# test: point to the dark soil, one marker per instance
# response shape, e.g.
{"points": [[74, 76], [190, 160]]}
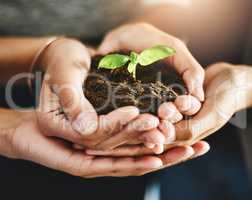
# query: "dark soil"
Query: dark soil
{"points": [[111, 89]]}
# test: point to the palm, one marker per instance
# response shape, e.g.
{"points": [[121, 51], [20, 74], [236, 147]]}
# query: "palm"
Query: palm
{"points": [[220, 104], [30, 144]]}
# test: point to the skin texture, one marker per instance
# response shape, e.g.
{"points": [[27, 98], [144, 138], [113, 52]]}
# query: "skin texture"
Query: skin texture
{"points": [[228, 90]]}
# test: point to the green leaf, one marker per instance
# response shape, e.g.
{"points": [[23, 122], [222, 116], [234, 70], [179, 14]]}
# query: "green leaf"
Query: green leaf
{"points": [[154, 54], [133, 63], [113, 61]]}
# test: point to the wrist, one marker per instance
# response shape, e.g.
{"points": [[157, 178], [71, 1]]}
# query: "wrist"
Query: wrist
{"points": [[64, 50], [10, 121]]}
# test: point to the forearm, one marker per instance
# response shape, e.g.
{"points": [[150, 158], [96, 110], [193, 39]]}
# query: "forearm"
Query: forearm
{"points": [[16, 55]]}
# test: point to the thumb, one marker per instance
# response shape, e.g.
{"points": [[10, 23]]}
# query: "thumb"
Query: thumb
{"points": [[75, 106], [207, 121], [62, 90]]}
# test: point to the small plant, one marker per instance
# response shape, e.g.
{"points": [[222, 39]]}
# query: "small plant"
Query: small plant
{"points": [[146, 57]]}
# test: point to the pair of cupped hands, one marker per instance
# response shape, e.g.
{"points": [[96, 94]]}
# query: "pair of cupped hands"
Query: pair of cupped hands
{"points": [[122, 142]]}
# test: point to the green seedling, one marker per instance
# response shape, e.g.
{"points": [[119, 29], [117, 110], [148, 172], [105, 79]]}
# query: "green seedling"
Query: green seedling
{"points": [[145, 58]]}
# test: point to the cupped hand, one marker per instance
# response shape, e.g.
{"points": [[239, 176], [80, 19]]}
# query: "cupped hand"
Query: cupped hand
{"points": [[66, 63], [64, 111], [139, 36], [26, 141], [227, 91]]}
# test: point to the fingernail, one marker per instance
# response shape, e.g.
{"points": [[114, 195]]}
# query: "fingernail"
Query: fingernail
{"points": [[85, 124], [158, 149], [149, 145], [202, 152], [157, 164]]}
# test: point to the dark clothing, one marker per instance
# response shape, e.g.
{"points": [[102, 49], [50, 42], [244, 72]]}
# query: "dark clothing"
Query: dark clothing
{"points": [[86, 19]]}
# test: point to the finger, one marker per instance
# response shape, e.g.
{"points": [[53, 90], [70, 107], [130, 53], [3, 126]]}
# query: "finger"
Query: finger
{"points": [[176, 155], [119, 167], [168, 130], [158, 149], [191, 71], [109, 44], [194, 82], [76, 107], [201, 125], [114, 121], [52, 120], [153, 136], [154, 140], [168, 111], [57, 155], [200, 148], [50, 111], [48, 101], [144, 122], [65, 79], [187, 104], [49, 152], [127, 150], [58, 127]]}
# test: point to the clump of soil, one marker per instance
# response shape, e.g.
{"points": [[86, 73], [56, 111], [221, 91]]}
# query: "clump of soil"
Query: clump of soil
{"points": [[110, 89]]}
